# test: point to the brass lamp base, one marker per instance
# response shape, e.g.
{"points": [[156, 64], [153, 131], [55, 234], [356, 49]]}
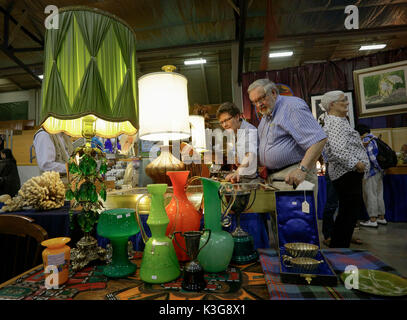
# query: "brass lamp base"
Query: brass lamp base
{"points": [[87, 250], [158, 168]]}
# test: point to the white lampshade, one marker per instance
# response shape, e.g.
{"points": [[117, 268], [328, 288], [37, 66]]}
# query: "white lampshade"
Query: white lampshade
{"points": [[163, 107], [198, 133]]}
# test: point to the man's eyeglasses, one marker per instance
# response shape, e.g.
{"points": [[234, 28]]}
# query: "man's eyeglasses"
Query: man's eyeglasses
{"points": [[224, 121], [259, 100]]}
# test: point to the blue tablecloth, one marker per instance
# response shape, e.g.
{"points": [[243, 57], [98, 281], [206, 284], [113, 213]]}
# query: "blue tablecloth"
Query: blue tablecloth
{"points": [[394, 194], [395, 197], [55, 221]]}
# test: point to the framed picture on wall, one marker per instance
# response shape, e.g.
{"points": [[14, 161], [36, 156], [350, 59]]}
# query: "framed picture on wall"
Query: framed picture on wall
{"points": [[14, 110], [318, 112], [381, 90]]}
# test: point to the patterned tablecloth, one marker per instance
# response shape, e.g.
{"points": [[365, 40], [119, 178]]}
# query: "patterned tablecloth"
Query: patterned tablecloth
{"points": [[339, 259], [236, 283], [256, 281]]}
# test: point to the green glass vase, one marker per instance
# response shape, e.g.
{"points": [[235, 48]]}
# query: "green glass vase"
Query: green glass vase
{"points": [[216, 255], [159, 263], [118, 225]]}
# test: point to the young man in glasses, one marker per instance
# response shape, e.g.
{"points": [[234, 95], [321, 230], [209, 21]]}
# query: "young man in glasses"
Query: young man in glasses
{"points": [[243, 143]]}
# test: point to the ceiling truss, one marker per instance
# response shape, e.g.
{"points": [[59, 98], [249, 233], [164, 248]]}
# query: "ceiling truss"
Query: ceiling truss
{"points": [[9, 50]]}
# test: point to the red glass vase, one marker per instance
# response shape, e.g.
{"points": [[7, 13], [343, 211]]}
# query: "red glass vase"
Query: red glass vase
{"points": [[187, 218]]}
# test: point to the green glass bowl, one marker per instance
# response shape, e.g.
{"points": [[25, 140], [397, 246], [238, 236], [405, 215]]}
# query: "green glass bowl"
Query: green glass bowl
{"points": [[380, 283], [117, 223]]}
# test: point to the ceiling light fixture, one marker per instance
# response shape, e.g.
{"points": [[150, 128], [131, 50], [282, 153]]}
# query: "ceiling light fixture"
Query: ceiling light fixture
{"points": [[195, 61], [372, 47], [280, 54]]}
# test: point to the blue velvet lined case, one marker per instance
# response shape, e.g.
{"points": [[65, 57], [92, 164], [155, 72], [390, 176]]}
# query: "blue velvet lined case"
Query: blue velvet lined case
{"points": [[294, 225]]}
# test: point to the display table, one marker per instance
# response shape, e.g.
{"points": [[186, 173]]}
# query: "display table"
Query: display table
{"points": [[256, 281], [56, 221], [394, 194], [339, 259], [395, 197], [241, 283]]}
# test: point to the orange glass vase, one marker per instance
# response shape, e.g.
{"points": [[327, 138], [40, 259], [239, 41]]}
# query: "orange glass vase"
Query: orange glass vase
{"points": [[187, 219], [57, 254]]}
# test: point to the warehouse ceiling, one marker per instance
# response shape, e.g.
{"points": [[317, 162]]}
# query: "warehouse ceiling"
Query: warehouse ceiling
{"points": [[232, 36]]}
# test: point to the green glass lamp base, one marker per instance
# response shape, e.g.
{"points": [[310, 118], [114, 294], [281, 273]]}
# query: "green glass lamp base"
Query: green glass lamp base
{"points": [[119, 271], [120, 265], [243, 251]]}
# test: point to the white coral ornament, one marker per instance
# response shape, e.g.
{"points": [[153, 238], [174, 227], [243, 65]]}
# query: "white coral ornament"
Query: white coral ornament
{"points": [[42, 192]]}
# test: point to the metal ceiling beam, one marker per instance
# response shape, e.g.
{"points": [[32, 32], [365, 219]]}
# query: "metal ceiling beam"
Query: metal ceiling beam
{"points": [[219, 79], [361, 4], [27, 32], [10, 71], [17, 28], [8, 50], [15, 83], [6, 26], [280, 12], [233, 5], [190, 47], [10, 54], [242, 31], [204, 83], [254, 42], [225, 45], [248, 61], [342, 34], [26, 49]]}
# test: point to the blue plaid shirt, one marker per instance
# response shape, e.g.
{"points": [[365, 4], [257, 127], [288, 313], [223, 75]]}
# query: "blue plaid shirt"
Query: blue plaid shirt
{"points": [[372, 152]]}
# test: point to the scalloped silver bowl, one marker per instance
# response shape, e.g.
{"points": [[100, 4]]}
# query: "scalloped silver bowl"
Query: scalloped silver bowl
{"points": [[303, 264], [301, 249]]}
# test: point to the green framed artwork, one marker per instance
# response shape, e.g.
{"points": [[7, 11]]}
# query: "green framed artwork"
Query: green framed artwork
{"points": [[14, 111], [381, 90]]}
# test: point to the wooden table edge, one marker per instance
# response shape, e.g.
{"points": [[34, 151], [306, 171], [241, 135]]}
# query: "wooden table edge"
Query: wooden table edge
{"points": [[6, 283]]}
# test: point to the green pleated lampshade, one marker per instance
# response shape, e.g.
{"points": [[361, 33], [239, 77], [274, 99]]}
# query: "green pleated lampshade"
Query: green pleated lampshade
{"points": [[89, 69]]}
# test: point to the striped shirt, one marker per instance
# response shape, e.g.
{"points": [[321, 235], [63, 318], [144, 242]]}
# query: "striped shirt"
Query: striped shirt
{"points": [[288, 133], [344, 148], [372, 152]]}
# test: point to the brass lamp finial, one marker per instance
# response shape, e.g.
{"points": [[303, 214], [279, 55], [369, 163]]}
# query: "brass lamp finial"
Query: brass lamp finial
{"points": [[168, 68]]}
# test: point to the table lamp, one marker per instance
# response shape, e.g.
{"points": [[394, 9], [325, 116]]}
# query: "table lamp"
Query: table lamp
{"points": [[88, 89], [198, 133], [163, 107], [198, 143]]}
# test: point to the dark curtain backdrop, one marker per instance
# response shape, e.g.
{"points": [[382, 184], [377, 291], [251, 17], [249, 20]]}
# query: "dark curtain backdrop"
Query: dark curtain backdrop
{"points": [[316, 79]]}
